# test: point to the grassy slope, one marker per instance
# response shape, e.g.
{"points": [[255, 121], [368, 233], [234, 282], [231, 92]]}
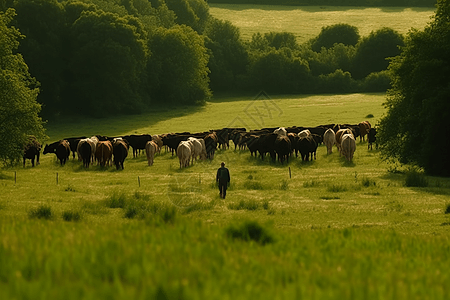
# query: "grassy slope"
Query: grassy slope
{"points": [[306, 22], [334, 222]]}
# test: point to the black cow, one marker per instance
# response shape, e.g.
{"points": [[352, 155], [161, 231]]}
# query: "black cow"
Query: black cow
{"points": [[120, 152], [252, 142], [317, 138], [137, 142], [353, 127], [372, 138], [307, 145], [60, 148], [319, 130], [236, 134], [283, 148], [172, 140], [32, 150], [211, 145], [223, 138], [266, 144], [73, 144], [85, 151]]}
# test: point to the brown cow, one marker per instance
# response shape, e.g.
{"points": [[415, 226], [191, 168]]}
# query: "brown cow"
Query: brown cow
{"points": [[339, 135], [364, 128], [103, 153]]}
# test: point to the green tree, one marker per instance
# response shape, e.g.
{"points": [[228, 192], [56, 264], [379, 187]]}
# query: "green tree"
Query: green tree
{"points": [[193, 13], [373, 51], [279, 40], [335, 34], [228, 56], [280, 71], [107, 62], [19, 110], [329, 60], [415, 129], [42, 22], [177, 70]]}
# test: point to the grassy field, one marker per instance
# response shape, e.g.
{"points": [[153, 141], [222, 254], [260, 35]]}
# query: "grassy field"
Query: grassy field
{"points": [[307, 21], [326, 229]]}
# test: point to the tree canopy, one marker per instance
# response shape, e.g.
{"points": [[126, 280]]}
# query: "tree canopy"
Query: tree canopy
{"points": [[103, 57], [415, 131], [18, 107]]}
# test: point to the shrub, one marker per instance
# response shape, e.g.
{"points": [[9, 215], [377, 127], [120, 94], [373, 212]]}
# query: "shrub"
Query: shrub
{"points": [[338, 33], [116, 200], [69, 188], [131, 211], [284, 185], [253, 185], [244, 204], [415, 179], [376, 82], [311, 183], [41, 212], [366, 182], [250, 231], [336, 188], [168, 214], [266, 204], [71, 215]]}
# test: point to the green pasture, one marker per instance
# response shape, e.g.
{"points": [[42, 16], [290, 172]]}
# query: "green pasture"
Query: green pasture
{"points": [[307, 21], [325, 229]]}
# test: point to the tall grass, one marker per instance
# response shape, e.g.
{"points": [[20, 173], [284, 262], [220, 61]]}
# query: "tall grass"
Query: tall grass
{"points": [[41, 212], [170, 235]]}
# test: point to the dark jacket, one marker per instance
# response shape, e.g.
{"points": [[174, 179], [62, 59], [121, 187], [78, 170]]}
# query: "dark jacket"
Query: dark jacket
{"points": [[223, 175]]}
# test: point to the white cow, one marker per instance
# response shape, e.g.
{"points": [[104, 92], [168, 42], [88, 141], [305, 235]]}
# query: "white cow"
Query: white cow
{"points": [[281, 131], [150, 149], [329, 139], [94, 140], [196, 148], [203, 153], [348, 146], [184, 153], [304, 133]]}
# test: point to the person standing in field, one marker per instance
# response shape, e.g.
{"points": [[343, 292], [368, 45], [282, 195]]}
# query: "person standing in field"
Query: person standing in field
{"points": [[223, 178]]}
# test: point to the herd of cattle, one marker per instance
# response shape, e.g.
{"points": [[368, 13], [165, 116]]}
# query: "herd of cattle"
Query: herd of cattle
{"points": [[281, 142]]}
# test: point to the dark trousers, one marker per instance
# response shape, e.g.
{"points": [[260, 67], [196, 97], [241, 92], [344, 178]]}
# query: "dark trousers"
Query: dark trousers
{"points": [[223, 188]]}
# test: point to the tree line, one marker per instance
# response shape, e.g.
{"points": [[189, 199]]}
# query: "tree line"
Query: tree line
{"points": [[102, 57], [370, 3]]}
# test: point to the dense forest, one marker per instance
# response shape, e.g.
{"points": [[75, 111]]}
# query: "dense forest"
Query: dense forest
{"points": [[372, 3], [102, 57]]}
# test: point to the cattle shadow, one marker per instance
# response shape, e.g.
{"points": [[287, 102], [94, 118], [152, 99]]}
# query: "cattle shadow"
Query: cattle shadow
{"points": [[5, 176], [436, 185], [116, 125], [347, 164]]}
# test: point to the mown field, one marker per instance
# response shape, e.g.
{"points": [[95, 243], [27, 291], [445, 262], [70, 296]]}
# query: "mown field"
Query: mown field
{"points": [[307, 21], [326, 229]]}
